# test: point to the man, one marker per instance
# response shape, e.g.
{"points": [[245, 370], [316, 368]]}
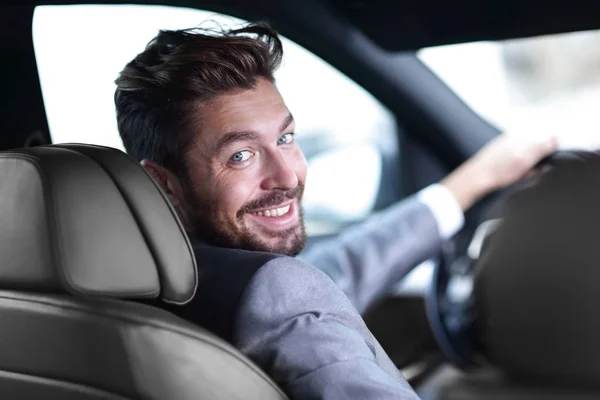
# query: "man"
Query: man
{"points": [[201, 112]]}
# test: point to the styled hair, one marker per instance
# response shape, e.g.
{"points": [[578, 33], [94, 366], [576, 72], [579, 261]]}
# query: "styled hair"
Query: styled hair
{"points": [[158, 92]]}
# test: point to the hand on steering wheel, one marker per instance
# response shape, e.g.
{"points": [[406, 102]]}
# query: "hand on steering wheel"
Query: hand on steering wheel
{"points": [[449, 300]]}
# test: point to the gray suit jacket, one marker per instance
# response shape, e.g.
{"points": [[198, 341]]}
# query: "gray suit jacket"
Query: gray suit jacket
{"points": [[300, 323]]}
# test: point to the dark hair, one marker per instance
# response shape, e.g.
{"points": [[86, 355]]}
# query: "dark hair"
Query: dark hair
{"points": [[158, 91]]}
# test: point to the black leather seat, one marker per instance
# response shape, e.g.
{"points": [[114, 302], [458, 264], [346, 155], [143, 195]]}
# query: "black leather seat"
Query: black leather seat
{"points": [[86, 237]]}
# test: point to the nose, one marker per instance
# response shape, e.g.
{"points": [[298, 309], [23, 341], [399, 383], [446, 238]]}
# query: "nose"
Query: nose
{"points": [[279, 173]]}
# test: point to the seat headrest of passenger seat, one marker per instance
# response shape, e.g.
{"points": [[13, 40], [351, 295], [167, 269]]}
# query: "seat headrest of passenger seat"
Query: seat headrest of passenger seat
{"points": [[89, 220]]}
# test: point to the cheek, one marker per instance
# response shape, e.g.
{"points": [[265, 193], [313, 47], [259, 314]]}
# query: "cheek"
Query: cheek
{"points": [[234, 193]]}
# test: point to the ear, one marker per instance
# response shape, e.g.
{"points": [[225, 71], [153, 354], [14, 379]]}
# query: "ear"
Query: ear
{"points": [[167, 180]]}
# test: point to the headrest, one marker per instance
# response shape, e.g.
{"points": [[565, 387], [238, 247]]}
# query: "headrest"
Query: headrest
{"points": [[537, 287], [89, 220]]}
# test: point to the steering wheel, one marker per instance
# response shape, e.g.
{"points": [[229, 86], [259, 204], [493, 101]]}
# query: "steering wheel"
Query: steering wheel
{"points": [[449, 300]]}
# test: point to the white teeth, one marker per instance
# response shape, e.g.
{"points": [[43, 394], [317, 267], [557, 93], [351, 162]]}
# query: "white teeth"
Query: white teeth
{"points": [[276, 212], [283, 210]]}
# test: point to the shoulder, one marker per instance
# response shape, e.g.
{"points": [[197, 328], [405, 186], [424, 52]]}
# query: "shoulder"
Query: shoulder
{"points": [[292, 272], [285, 288], [224, 277], [294, 320], [295, 278]]}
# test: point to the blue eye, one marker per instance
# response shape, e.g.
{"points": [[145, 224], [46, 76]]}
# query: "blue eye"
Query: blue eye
{"points": [[286, 139], [241, 156]]}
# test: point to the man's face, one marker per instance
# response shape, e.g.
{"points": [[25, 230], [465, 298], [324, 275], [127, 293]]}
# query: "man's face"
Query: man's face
{"points": [[247, 173]]}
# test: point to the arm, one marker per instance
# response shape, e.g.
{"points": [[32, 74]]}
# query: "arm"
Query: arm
{"points": [[368, 260], [297, 325]]}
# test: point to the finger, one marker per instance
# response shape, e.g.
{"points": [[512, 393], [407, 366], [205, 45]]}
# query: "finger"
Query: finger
{"points": [[530, 174], [545, 148], [537, 171], [550, 145]]}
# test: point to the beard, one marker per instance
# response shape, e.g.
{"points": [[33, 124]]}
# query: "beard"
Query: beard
{"points": [[210, 226]]}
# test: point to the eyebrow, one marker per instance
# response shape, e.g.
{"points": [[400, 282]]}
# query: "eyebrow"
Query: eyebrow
{"points": [[286, 122], [233, 137]]}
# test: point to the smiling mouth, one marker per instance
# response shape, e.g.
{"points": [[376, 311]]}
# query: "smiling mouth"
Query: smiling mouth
{"points": [[276, 219], [274, 212]]}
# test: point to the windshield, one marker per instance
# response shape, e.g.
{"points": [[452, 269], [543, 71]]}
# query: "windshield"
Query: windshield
{"points": [[536, 86]]}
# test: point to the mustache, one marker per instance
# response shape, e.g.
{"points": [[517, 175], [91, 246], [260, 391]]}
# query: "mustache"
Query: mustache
{"points": [[272, 199]]}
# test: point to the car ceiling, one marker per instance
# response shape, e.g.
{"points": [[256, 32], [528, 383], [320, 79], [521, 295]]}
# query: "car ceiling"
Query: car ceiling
{"points": [[402, 25], [409, 25]]}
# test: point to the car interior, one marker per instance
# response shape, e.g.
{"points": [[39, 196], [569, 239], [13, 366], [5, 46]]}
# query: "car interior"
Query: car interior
{"points": [[67, 263], [91, 244]]}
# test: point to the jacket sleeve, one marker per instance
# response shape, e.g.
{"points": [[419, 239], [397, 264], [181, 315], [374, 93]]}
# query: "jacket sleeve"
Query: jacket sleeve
{"points": [[299, 327], [369, 259]]}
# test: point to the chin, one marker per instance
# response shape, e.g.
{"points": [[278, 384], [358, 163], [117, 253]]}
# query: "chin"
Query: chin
{"points": [[290, 246], [288, 242]]}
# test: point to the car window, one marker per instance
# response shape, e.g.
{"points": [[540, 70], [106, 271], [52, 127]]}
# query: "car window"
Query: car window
{"points": [[338, 122], [535, 86]]}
